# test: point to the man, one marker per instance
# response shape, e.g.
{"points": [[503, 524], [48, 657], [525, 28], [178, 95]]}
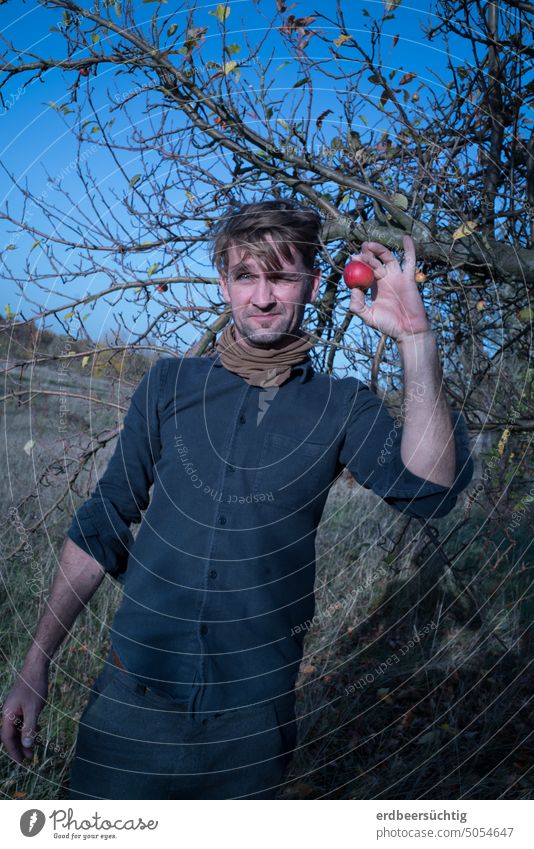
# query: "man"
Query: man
{"points": [[196, 698]]}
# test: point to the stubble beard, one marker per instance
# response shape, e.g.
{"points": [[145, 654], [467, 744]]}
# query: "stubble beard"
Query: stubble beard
{"points": [[266, 337], [287, 331]]}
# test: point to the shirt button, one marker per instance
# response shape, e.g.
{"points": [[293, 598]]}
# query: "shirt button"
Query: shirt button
{"points": [[222, 520], [203, 629], [213, 573], [242, 419]]}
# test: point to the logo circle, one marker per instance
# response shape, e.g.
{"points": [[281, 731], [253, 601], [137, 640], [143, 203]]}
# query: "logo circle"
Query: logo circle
{"points": [[31, 822]]}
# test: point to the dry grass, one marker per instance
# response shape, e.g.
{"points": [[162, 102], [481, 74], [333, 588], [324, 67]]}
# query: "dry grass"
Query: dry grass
{"points": [[386, 708]]}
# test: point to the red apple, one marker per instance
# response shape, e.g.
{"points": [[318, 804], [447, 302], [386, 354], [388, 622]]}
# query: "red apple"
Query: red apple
{"points": [[161, 287], [358, 274]]}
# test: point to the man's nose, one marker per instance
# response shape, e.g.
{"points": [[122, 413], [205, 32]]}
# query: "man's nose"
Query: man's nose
{"points": [[263, 294]]}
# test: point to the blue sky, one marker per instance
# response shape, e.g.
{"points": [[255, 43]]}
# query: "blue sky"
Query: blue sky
{"points": [[36, 141]]}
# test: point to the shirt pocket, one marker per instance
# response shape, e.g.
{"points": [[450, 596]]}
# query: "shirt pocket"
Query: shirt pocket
{"points": [[291, 473]]}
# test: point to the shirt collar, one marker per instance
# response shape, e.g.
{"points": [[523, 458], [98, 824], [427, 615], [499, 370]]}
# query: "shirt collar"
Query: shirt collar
{"points": [[304, 370]]}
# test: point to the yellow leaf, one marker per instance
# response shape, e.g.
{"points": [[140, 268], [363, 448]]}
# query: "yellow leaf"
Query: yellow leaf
{"points": [[308, 669], [85, 360], [221, 12], [228, 67], [19, 794], [502, 441], [464, 230], [342, 39]]}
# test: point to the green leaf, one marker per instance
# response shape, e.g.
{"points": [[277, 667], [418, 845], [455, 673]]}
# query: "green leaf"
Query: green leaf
{"points": [[53, 105], [95, 129], [279, 68], [283, 123], [68, 315], [233, 49], [95, 38], [153, 268], [118, 9], [172, 29], [221, 12], [526, 314], [301, 82], [11, 247], [8, 311], [37, 242], [400, 200], [135, 179], [364, 120]]}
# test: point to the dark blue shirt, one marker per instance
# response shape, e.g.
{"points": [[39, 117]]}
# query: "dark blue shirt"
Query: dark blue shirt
{"points": [[221, 572]]}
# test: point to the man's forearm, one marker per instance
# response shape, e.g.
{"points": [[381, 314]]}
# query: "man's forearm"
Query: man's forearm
{"points": [[77, 579], [427, 445]]}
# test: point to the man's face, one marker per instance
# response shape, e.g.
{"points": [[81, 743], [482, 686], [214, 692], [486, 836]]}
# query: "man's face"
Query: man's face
{"points": [[268, 306]]}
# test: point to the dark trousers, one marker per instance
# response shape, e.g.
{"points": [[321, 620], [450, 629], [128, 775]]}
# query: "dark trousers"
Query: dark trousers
{"points": [[135, 744]]}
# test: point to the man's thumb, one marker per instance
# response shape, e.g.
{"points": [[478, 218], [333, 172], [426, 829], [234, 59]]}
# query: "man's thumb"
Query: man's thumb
{"points": [[28, 732]]}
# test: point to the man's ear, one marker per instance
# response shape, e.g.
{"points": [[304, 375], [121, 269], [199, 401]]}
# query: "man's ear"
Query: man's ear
{"points": [[223, 286], [314, 285]]}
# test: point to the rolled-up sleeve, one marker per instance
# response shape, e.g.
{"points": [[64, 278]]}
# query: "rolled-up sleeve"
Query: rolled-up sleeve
{"points": [[372, 453], [101, 526]]}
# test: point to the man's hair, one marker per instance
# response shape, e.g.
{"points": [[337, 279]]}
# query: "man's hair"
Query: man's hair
{"points": [[291, 226]]}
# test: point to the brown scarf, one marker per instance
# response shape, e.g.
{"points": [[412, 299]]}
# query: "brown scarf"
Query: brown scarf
{"points": [[261, 366]]}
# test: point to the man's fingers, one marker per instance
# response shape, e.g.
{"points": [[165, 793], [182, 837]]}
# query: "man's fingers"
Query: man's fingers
{"points": [[28, 734], [409, 255], [379, 251], [11, 723]]}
